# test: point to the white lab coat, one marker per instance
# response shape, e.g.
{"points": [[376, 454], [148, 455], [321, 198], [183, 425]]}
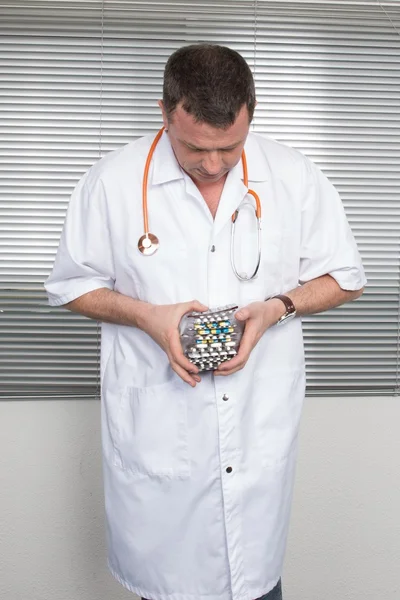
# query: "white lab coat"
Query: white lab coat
{"points": [[179, 526]]}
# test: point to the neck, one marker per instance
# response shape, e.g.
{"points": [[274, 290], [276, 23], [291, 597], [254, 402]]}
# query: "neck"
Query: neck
{"points": [[211, 193]]}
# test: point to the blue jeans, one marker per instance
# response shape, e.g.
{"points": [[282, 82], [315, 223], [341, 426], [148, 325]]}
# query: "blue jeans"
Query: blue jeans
{"points": [[275, 594]]}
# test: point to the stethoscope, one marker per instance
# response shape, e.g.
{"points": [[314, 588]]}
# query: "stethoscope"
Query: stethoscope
{"points": [[148, 243]]}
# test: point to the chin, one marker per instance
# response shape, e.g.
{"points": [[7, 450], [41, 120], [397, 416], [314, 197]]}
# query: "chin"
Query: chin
{"points": [[212, 177]]}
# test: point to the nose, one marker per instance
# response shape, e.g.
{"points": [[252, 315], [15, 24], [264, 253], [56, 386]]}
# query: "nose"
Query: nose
{"points": [[212, 163]]}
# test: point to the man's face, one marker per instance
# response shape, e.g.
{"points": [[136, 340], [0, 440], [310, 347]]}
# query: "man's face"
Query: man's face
{"points": [[205, 152]]}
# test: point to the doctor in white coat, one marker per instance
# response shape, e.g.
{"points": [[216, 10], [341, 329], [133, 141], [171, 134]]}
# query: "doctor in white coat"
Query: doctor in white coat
{"points": [[199, 468]]}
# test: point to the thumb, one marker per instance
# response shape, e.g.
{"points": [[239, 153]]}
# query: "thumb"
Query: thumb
{"points": [[243, 314], [196, 306]]}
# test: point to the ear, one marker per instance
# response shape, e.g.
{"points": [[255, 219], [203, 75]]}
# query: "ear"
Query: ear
{"points": [[164, 114]]}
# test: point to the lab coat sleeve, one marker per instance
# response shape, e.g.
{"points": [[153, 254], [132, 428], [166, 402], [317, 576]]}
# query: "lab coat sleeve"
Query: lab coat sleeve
{"points": [[327, 242], [84, 260]]}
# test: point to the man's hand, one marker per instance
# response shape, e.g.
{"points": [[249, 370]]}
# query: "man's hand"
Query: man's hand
{"points": [[258, 317], [161, 323]]}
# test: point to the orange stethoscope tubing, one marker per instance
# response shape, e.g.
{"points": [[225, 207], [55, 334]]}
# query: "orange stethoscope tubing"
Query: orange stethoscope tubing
{"points": [[148, 243], [146, 178]]}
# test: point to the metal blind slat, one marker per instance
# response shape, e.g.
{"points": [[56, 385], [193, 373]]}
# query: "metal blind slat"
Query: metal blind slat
{"points": [[336, 101]]}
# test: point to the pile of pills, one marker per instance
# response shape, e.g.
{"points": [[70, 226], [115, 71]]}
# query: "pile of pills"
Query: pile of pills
{"points": [[214, 338]]}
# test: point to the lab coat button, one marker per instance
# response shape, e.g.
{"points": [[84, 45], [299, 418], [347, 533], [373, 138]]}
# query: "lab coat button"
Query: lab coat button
{"points": [[213, 248], [229, 470], [225, 397]]}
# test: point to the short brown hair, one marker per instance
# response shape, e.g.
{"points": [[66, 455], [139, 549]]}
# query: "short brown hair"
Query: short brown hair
{"points": [[212, 82]]}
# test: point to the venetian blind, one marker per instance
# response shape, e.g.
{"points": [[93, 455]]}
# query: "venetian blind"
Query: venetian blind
{"points": [[79, 79]]}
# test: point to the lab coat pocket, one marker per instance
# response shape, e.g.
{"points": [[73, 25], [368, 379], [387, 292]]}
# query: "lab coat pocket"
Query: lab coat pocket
{"points": [[152, 432], [279, 400]]}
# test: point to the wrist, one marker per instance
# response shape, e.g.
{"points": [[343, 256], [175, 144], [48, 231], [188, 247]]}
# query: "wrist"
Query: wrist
{"points": [[143, 315], [276, 309], [290, 309]]}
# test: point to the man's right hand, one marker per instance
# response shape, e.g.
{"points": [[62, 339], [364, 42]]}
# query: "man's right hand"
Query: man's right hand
{"points": [[161, 323]]}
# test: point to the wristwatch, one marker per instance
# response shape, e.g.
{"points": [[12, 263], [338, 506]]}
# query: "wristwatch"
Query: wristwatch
{"points": [[290, 309]]}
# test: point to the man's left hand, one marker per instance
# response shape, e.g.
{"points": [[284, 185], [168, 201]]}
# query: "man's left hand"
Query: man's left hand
{"points": [[258, 317]]}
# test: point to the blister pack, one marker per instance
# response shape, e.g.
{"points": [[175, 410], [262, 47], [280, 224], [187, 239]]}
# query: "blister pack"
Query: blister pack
{"points": [[212, 337]]}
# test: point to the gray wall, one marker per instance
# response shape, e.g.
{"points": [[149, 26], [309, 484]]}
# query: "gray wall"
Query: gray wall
{"points": [[345, 534]]}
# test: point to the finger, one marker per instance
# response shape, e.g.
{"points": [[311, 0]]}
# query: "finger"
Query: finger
{"points": [[184, 375], [187, 307], [247, 344], [194, 305], [243, 314], [236, 363], [176, 355], [231, 367]]}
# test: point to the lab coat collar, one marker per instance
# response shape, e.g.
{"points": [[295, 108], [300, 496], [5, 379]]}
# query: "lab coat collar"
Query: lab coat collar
{"points": [[233, 194], [234, 190], [166, 168], [257, 165]]}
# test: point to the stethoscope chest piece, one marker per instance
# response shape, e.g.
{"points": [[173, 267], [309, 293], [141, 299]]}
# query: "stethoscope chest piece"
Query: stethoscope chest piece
{"points": [[148, 244]]}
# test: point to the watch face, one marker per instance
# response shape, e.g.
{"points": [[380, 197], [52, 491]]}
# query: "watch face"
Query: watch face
{"points": [[286, 318]]}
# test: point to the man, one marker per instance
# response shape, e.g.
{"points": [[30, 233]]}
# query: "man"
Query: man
{"points": [[199, 468]]}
